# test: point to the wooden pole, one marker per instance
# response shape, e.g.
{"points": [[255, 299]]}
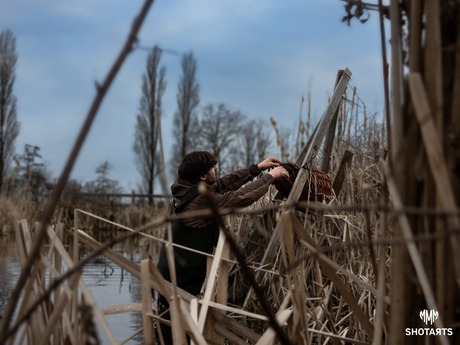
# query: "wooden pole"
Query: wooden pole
{"points": [[310, 152], [400, 264], [330, 136]]}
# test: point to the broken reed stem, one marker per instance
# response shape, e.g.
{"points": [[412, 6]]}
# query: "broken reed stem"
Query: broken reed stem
{"points": [[62, 181]]}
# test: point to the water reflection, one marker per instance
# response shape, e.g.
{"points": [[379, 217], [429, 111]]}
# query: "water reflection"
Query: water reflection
{"points": [[9, 271], [109, 284]]}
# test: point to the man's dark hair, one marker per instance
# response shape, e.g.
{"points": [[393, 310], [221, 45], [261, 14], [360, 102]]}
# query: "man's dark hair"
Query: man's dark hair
{"points": [[196, 164]]}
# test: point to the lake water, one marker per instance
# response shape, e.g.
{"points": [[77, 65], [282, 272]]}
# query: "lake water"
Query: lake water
{"points": [[109, 284]]}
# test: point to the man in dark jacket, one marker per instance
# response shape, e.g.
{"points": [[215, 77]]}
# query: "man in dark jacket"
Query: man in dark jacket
{"points": [[236, 189]]}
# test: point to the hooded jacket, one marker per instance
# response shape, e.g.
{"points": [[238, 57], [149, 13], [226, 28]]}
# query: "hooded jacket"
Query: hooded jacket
{"points": [[233, 190]]}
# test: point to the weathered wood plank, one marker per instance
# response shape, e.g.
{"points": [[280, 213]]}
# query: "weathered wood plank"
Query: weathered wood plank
{"points": [[310, 152], [211, 281]]}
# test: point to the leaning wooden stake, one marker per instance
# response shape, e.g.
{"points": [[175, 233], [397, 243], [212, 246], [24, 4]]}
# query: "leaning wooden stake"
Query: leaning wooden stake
{"points": [[211, 282], [307, 154], [330, 135], [310, 152]]}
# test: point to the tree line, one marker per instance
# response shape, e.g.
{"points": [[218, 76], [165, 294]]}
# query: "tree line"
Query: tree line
{"points": [[235, 139]]}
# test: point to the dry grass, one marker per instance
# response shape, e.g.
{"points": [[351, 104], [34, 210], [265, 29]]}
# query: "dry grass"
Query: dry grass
{"points": [[315, 265], [304, 273], [12, 210], [308, 269], [345, 239]]}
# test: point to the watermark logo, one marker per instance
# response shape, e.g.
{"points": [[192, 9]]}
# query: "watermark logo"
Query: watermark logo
{"points": [[429, 316]]}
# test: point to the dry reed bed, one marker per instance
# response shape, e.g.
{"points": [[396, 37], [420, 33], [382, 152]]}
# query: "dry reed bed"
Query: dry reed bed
{"points": [[317, 275], [306, 296], [324, 274], [300, 274]]}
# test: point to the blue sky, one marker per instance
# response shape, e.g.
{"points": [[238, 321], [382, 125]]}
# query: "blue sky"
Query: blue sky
{"points": [[259, 57]]}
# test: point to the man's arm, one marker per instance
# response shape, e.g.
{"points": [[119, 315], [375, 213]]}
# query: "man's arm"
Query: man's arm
{"points": [[235, 180], [250, 192]]}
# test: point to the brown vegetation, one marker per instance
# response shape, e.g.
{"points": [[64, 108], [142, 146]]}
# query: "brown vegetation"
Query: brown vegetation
{"points": [[12, 210], [355, 270], [320, 274]]}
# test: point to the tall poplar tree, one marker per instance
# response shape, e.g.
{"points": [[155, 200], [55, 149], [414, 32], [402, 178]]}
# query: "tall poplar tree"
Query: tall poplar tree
{"points": [[148, 124], [185, 119], [9, 126]]}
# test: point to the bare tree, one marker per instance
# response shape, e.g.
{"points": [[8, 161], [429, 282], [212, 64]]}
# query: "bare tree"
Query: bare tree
{"points": [[219, 131], [148, 125], [283, 140], [9, 126], [185, 118], [103, 184], [255, 142], [33, 178]]}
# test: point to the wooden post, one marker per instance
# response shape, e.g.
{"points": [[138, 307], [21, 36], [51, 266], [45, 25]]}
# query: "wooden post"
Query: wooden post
{"points": [[329, 141], [400, 269], [318, 136]]}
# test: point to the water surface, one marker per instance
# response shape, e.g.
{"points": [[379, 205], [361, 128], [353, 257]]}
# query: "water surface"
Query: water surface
{"points": [[109, 284]]}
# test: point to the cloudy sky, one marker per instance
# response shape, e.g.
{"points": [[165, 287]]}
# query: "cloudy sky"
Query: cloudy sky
{"points": [[256, 56]]}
